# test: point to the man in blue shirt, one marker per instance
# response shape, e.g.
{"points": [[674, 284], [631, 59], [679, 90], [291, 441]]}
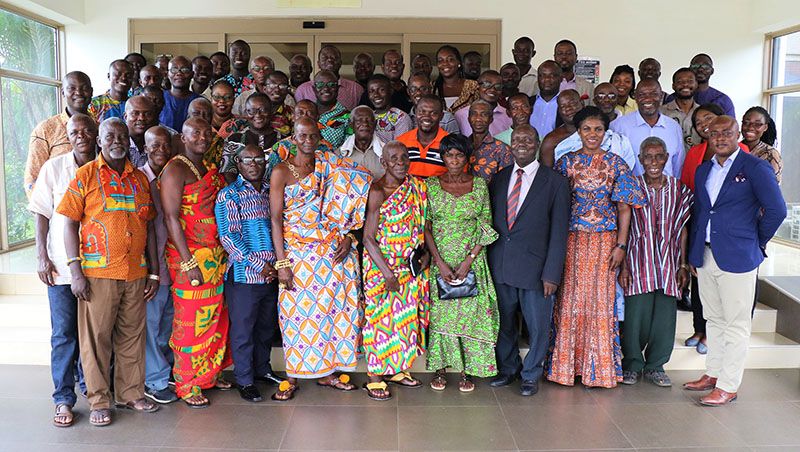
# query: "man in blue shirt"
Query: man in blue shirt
{"points": [[703, 69], [545, 102], [178, 98], [648, 121], [251, 285]]}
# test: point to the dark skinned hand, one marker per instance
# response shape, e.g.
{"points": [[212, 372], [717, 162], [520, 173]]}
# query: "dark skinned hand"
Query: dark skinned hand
{"points": [[425, 260], [447, 273], [150, 289], [624, 277], [682, 278], [47, 271], [285, 277], [549, 288], [268, 272], [615, 258], [463, 268], [392, 284], [195, 274], [80, 287], [342, 250]]}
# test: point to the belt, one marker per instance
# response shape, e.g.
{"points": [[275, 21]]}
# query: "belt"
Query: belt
{"points": [[708, 244]]}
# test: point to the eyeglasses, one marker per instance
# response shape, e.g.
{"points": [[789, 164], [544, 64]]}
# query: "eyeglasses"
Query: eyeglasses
{"points": [[183, 70], [487, 85], [225, 97], [701, 66], [255, 111], [416, 89], [663, 157], [752, 124], [603, 96], [321, 85], [279, 86], [247, 161], [260, 68]]}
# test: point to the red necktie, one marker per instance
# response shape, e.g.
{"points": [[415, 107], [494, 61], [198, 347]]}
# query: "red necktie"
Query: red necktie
{"points": [[513, 200]]}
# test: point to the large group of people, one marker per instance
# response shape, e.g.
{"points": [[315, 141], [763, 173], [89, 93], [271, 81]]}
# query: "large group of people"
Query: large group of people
{"points": [[200, 210]]}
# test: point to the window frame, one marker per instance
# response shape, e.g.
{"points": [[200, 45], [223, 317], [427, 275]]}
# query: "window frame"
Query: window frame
{"points": [[767, 91], [5, 246]]}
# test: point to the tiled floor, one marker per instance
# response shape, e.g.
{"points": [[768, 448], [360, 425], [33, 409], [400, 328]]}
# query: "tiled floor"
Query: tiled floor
{"points": [[643, 417]]}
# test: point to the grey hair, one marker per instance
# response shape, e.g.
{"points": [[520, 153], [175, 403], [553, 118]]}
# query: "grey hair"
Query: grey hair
{"points": [[360, 107], [481, 102], [653, 141], [113, 121]]}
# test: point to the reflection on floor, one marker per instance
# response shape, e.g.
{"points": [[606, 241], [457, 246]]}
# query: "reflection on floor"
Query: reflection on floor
{"points": [[640, 417]]}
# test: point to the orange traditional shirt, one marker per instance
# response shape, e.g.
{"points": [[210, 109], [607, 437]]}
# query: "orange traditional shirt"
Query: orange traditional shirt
{"points": [[48, 140], [113, 210]]}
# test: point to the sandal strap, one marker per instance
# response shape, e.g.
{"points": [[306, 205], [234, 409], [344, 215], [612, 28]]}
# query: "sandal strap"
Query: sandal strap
{"points": [[377, 385]]}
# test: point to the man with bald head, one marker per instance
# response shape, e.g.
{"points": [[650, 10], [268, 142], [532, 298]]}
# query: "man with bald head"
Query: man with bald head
{"points": [[111, 104], [648, 121], [569, 103], [528, 257], [200, 108], [287, 146], [177, 99], [54, 178], [330, 59], [605, 98], [545, 103], [150, 75], [108, 208], [738, 206], [139, 117], [49, 138]]}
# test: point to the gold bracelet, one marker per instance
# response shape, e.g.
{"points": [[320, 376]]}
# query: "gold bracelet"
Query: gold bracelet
{"points": [[353, 239], [283, 263], [473, 256], [190, 264]]}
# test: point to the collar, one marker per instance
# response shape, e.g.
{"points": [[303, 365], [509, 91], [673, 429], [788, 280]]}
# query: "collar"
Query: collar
{"points": [[574, 78], [349, 146], [640, 120], [487, 139], [529, 170], [102, 163], [728, 162], [439, 135], [532, 72], [538, 96], [244, 184], [673, 105]]}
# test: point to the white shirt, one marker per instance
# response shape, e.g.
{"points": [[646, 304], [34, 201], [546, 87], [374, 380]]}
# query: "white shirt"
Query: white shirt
{"points": [[528, 84], [528, 173], [371, 159], [51, 185], [714, 181]]}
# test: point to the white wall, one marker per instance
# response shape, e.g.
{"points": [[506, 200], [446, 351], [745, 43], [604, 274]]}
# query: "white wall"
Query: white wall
{"points": [[623, 32]]}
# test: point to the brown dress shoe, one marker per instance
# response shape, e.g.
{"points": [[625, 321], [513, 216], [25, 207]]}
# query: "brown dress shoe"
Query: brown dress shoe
{"points": [[718, 397], [703, 384]]}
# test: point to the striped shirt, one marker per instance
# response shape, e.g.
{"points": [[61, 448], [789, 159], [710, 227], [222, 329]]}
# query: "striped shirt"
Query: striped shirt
{"points": [[425, 161], [244, 229], [654, 243]]}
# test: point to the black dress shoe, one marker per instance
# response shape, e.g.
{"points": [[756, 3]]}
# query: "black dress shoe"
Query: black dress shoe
{"points": [[529, 387], [502, 380], [250, 393], [270, 378]]}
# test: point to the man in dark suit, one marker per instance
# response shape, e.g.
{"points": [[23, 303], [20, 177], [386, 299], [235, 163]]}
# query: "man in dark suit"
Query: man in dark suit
{"points": [[530, 207], [738, 206]]}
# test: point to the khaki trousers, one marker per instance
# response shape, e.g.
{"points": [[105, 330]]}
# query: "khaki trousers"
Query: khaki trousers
{"points": [[727, 303], [113, 319]]}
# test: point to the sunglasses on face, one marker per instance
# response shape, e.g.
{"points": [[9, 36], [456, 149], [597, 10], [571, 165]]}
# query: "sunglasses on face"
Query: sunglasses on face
{"points": [[701, 66], [603, 96], [255, 111], [260, 68], [279, 86], [321, 85], [487, 85], [247, 161], [183, 70], [218, 97]]}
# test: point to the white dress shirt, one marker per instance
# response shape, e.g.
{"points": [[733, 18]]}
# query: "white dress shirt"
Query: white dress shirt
{"points": [[637, 129], [714, 181], [528, 173]]}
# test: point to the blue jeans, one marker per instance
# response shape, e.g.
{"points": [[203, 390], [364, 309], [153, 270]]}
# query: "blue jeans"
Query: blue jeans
{"points": [[64, 354], [157, 353]]}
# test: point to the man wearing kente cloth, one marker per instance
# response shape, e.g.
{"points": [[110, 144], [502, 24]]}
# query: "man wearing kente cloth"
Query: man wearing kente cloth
{"points": [[196, 262], [316, 199], [397, 301]]}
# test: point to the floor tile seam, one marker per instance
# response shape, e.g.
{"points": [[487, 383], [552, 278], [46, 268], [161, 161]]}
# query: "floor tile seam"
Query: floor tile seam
{"points": [[619, 429], [505, 419], [288, 426], [745, 442]]}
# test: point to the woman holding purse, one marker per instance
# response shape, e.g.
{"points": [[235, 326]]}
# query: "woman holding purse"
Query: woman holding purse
{"points": [[464, 320]]}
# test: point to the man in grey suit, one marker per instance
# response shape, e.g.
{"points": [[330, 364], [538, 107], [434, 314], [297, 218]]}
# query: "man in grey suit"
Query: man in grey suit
{"points": [[530, 207]]}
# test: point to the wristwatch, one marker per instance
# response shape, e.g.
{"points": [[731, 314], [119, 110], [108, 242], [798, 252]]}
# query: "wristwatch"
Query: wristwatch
{"points": [[622, 246]]}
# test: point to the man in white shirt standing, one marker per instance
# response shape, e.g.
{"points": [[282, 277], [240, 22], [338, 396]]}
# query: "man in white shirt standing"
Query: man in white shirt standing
{"points": [[524, 51], [51, 184]]}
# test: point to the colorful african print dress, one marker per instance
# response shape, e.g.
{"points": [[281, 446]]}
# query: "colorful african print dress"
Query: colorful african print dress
{"points": [[335, 122], [396, 322], [463, 332], [200, 327], [319, 316], [585, 336]]}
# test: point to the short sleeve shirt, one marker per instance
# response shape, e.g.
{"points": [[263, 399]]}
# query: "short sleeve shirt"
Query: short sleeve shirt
{"points": [[113, 210], [426, 161]]}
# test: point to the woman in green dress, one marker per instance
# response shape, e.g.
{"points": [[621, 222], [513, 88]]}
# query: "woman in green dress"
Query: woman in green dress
{"points": [[463, 331]]}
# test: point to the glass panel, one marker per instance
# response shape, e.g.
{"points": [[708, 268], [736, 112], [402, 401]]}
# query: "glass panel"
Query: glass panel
{"points": [[430, 48], [280, 53], [786, 60], [24, 105], [26, 45], [350, 50], [786, 113], [187, 49]]}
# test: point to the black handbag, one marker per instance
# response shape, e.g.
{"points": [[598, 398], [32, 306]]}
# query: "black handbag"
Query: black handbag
{"points": [[467, 289], [414, 264]]}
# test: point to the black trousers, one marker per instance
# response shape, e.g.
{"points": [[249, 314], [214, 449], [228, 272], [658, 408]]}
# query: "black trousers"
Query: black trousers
{"points": [[537, 311], [253, 311]]}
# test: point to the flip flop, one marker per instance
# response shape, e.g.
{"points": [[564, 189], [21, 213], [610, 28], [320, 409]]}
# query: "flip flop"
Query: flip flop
{"points": [[64, 410], [369, 387], [197, 406], [285, 386], [343, 378], [400, 377], [132, 406], [103, 414]]}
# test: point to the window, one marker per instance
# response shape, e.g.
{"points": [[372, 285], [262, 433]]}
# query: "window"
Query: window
{"points": [[29, 87], [783, 95]]}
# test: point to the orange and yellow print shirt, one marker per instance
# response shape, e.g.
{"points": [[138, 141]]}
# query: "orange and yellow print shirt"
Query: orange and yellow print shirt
{"points": [[113, 211]]}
